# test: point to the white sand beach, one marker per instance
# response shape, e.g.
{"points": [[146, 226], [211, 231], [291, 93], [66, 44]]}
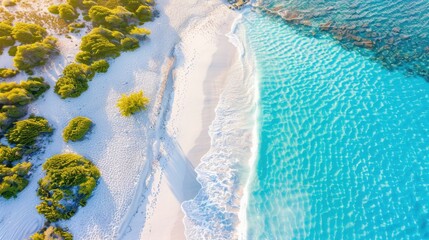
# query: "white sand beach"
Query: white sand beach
{"points": [[147, 161]]}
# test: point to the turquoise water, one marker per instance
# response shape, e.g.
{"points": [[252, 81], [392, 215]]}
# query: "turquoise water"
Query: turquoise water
{"points": [[398, 31], [344, 143]]}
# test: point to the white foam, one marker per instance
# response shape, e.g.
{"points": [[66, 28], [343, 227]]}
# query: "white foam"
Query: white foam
{"points": [[215, 213]]}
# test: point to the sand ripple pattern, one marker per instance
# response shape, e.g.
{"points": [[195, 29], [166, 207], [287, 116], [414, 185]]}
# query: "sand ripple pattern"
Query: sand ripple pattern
{"points": [[344, 148]]}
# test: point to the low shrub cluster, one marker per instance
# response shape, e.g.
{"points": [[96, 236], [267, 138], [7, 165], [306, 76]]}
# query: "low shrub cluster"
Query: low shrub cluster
{"points": [[36, 54], [74, 80], [14, 98], [8, 155], [6, 39], [115, 30], [8, 73], [52, 232], [28, 33], [69, 182], [130, 104], [13, 179], [24, 133], [100, 66], [35, 48], [76, 129]]}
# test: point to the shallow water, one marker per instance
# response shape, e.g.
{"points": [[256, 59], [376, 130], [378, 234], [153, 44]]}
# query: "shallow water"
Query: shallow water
{"points": [[344, 150], [395, 32]]}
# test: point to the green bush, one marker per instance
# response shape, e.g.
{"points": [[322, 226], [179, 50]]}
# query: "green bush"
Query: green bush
{"points": [[15, 96], [100, 66], [74, 81], [144, 13], [132, 103], [26, 132], [54, 9], [8, 73], [100, 43], [52, 233], [28, 32], [67, 12], [12, 51], [13, 179], [130, 44], [75, 27], [69, 182], [6, 39], [9, 155], [76, 129], [32, 55]]}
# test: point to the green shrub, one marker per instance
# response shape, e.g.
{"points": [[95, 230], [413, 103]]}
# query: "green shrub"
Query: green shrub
{"points": [[100, 66], [12, 51], [8, 73], [140, 33], [9, 155], [69, 182], [76, 129], [26, 132], [6, 39], [130, 44], [74, 27], [28, 32], [13, 111], [144, 13], [52, 233], [100, 43], [74, 81], [54, 9], [67, 12], [132, 103], [13, 179], [36, 54]]}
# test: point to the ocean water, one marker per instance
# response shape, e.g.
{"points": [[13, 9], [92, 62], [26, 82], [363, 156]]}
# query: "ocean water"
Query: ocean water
{"points": [[396, 33], [343, 141]]}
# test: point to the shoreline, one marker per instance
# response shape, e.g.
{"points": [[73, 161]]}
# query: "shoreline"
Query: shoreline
{"points": [[148, 162]]}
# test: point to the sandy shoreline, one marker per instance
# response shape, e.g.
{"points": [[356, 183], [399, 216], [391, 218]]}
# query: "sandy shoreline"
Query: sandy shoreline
{"points": [[147, 161]]}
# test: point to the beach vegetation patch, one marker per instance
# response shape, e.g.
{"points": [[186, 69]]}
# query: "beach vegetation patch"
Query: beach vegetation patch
{"points": [[69, 182], [100, 66], [74, 80], [26, 132], [32, 55], [76, 129], [67, 12], [52, 232], [27, 33], [133, 103], [13, 179], [15, 96], [8, 73], [9, 154]]}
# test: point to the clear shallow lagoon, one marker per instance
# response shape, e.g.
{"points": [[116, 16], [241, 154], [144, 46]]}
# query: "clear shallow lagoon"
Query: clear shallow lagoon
{"points": [[344, 143]]}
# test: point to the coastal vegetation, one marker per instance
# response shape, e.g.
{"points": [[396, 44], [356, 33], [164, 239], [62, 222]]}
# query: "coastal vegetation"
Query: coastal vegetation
{"points": [[14, 98], [74, 80], [52, 232], [35, 48], [13, 179], [69, 182], [115, 30], [24, 133], [133, 103], [76, 129]]}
